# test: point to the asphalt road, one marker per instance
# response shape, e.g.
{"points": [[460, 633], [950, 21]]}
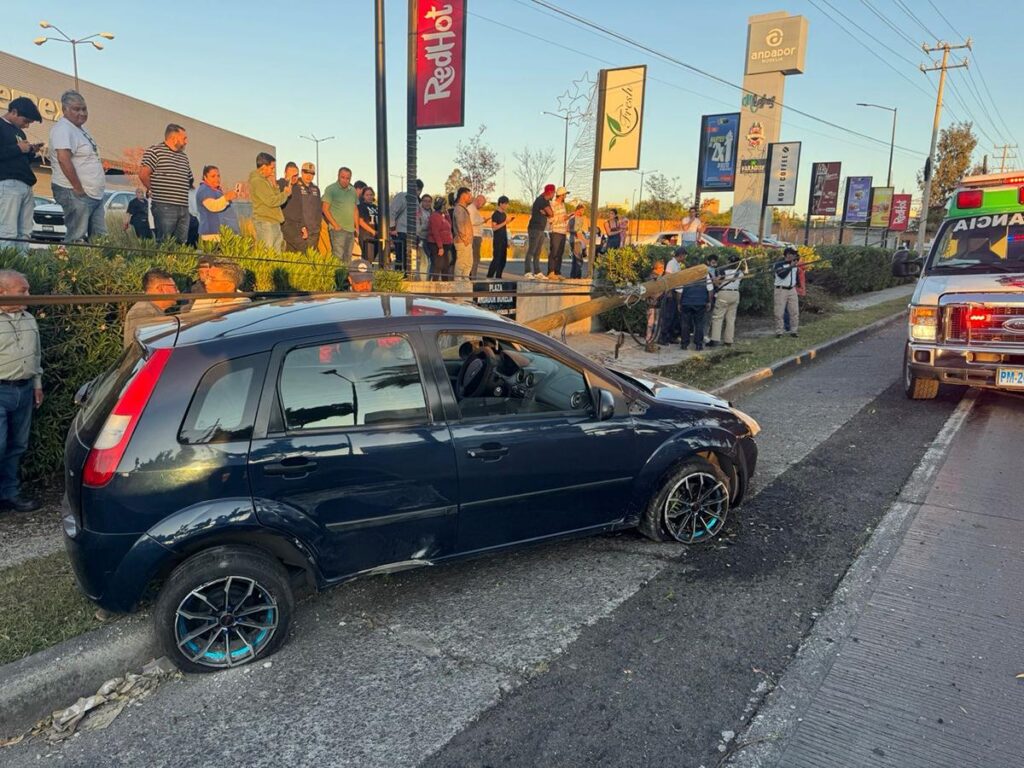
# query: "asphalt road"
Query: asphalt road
{"points": [[607, 651]]}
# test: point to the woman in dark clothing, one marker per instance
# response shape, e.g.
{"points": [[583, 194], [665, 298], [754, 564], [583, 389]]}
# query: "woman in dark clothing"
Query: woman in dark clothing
{"points": [[367, 228], [441, 242]]}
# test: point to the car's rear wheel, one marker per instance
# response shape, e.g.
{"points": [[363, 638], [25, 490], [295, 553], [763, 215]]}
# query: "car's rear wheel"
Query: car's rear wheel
{"points": [[223, 607], [916, 388], [691, 506]]}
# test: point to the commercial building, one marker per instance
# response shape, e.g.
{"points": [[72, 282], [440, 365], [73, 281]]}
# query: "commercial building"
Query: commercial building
{"points": [[123, 126]]}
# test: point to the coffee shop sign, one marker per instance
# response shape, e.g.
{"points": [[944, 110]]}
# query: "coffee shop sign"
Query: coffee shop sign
{"points": [[48, 108], [753, 102]]}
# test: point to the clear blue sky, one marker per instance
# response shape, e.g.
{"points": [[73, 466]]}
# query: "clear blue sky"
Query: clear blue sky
{"points": [[275, 71]]}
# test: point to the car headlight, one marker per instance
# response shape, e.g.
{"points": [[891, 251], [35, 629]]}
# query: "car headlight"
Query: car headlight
{"points": [[749, 420], [924, 323]]}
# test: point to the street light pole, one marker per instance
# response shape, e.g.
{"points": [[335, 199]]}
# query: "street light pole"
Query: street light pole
{"points": [[74, 43], [892, 146], [312, 137], [565, 146]]}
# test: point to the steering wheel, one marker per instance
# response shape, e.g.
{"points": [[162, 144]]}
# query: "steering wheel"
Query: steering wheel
{"points": [[476, 372]]}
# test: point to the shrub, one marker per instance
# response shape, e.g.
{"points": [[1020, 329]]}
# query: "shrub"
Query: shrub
{"points": [[79, 342], [849, 269]]}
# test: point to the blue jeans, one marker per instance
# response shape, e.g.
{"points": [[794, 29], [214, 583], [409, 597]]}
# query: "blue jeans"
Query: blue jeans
{"points": [[341, 244], [84, 217], [269, 233], [16, 402], [535, 243], [171, 220], [16, 208]]}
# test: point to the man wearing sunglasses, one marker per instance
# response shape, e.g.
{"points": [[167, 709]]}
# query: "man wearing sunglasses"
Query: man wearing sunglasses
{"points": [[78, 177]]}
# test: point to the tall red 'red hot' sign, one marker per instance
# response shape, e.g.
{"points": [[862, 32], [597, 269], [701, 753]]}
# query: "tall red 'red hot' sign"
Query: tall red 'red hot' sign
{"points": [[440, 63], [899, 213]]}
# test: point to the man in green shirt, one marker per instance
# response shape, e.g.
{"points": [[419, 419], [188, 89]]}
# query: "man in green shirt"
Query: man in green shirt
{"points": [[339, 203], [267, 199]]}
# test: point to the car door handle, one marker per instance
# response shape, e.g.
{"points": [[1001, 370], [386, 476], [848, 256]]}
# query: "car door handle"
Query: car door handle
{"points": [[299, 465], [488, 452]]}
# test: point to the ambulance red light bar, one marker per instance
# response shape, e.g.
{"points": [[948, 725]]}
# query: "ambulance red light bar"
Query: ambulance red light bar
{"points": [[994, 179], [969, 198]]}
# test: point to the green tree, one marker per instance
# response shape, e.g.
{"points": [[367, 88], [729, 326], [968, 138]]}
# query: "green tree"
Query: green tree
{"points": [[662, 200], [952, 161], [455, 180]]}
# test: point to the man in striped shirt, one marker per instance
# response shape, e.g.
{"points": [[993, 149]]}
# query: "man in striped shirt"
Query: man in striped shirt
{"points": [[165, 172]]}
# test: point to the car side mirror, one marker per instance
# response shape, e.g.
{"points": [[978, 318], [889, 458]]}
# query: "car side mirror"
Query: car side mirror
{"points": [[605, 405], [906, 264]]}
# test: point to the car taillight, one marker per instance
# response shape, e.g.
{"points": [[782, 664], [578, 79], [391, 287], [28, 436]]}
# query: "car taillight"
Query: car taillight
{"points": [[969, 198], [113, 439]]}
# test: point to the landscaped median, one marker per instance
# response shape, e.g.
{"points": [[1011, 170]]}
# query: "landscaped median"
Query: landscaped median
{"points": [[714, 368]]}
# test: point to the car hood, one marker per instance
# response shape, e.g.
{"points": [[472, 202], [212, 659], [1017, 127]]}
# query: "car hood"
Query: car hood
{"points": [[49, 208], [671, 391]]}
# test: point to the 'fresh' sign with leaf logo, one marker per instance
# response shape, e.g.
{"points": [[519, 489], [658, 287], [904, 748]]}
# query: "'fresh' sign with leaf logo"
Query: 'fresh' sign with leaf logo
{"points": [[620, 126]]}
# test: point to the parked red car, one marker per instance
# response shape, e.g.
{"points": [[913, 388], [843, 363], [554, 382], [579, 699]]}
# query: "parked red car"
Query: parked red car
{"points": [[734, 236]]}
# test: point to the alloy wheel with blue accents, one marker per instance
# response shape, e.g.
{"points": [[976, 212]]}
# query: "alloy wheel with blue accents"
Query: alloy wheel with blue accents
{"points": [[696, 507], [225, 622]]}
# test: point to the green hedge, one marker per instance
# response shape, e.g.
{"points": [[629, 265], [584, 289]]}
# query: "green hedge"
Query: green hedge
{"points": [[81, 341], [850, 269]]}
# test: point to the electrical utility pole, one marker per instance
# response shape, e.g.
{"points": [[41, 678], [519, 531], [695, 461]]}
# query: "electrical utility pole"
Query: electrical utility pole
{"points": [[945, 65], [1005, 148]]}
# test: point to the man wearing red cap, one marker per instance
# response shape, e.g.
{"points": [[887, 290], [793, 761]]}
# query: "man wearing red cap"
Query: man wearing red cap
{"points": [[535, 231]]}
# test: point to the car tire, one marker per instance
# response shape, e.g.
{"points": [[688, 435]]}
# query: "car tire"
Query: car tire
{"points": [[699, 485], [917, 388], [223, 607]]}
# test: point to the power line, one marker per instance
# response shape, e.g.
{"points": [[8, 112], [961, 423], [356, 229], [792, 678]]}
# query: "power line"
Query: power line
{"points": [[914, 18], [948, 22], [581, 21], [975, 121], [972, 88], [885, 19], [858, 26], [676, 86], [995, 104]]}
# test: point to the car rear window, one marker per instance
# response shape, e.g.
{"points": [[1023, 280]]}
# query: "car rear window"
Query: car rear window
{"points": [[224, 406]]}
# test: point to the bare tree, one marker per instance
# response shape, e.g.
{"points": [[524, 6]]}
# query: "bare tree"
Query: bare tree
{"points": [[479, 163], [534, 169], [663, 198]]}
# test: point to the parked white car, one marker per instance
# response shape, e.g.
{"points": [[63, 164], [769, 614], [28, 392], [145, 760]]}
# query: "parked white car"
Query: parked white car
{"points": [[675, 237]]}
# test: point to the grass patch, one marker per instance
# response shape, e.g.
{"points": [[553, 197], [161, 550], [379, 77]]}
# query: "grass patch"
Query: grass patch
{"points": [[712, 369], [40, 606]]}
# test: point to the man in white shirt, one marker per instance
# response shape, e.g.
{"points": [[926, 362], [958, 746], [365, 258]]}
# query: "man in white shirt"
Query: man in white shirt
{"points": [[727, 301], [692, 226], [787, 278], [478, 230], [78, 176], [670, 316]]}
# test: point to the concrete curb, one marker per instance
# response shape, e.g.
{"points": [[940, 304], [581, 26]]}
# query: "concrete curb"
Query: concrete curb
{"points": [[32, 687], [746, 381]]}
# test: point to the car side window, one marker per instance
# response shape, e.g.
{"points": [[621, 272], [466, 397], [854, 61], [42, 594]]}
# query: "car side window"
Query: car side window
{"points": [[224, 406], [493, 377], [358, 382]]}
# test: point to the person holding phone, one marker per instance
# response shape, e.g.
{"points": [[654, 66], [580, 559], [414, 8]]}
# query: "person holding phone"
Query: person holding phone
{"points": [[16, 177], [215, 205]]}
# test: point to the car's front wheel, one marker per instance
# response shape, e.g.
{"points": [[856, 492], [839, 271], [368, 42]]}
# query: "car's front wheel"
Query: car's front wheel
{"points": [[223, 607], [691, 506], [916, 388]]}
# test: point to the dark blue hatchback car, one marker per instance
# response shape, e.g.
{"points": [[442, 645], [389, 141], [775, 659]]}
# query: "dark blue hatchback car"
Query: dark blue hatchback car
{"points": [[223, 462]]}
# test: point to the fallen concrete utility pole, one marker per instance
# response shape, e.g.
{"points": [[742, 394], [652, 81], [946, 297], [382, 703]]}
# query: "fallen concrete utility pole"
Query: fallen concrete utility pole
{"points": [[577, 312]]}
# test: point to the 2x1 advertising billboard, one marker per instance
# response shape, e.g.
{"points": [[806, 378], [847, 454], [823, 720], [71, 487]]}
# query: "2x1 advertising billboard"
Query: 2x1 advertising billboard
{"points": [[719, 140]]}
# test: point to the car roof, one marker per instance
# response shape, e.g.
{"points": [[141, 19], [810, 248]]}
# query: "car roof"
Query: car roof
{"points": [[326, 312]]}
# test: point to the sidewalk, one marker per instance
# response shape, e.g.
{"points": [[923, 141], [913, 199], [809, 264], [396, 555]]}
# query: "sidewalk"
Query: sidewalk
{"points": [[601, 346], [926, 676]]}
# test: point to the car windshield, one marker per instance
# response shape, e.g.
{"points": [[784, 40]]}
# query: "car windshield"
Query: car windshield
{"points": [[988, 243]]}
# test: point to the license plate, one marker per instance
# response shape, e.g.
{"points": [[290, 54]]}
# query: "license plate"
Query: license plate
{"points": [[47, 227], [1011, 377]]}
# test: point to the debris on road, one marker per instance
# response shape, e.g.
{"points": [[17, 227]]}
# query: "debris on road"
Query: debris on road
{"points": [[96, 712]]}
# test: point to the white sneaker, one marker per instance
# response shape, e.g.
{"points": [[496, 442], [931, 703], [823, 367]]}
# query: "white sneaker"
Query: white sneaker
{"points": [[528, 275], [541, 276]]}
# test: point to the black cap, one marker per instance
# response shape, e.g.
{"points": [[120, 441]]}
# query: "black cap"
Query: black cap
{"points": [[789, 250], [680, 251], [25, 107]]}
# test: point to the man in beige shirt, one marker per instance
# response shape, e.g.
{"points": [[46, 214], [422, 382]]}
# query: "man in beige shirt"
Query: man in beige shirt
{"points": [[21, 388], [155, 282]]}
